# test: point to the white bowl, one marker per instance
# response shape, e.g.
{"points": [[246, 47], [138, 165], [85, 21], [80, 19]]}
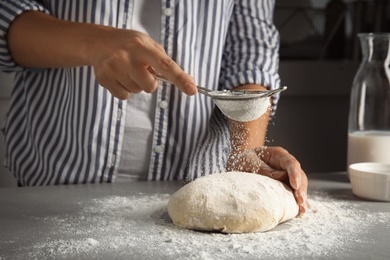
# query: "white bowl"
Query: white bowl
{"points": [[370, 180]]}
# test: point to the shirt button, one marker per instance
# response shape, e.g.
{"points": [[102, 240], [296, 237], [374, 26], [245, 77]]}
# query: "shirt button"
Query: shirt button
{"points": [[164, 104], [119, 114], [168, 11], [159, 149]]}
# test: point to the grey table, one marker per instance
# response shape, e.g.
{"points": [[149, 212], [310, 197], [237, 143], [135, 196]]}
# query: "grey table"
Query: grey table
{"points": [[102, 222]]}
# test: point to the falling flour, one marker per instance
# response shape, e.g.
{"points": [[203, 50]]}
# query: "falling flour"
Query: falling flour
{"points": [[138, 228]]}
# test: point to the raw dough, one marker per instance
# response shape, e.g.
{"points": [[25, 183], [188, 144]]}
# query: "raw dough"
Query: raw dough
{"points": [[232, 202]]}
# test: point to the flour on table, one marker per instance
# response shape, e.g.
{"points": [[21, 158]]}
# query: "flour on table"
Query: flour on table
{"points": [[138, 227], [232, 202]]}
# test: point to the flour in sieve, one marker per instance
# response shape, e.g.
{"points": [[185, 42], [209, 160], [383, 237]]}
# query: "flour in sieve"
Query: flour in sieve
{"points": [[243, 110], [139, 228]]}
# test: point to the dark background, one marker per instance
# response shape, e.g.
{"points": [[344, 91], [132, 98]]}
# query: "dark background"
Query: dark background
{"points": [[320, 55]]}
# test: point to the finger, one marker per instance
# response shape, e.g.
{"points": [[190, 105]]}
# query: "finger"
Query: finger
{"points": [[144, 80], [266, 170], [129, 71], [302, 206], [120, 73], [281, 159], [139, 85], [249, 161], [301, 195], [279, 175], [172, 72], [117, 90], [294, 175], [113, 85]]}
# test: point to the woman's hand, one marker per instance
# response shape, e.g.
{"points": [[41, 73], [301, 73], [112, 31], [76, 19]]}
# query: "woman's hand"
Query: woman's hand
{"points": [[274, 162], [120, 58]]}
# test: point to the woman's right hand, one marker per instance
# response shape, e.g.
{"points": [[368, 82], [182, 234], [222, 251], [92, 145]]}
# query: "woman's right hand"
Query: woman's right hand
{"points": [[121, 59]]}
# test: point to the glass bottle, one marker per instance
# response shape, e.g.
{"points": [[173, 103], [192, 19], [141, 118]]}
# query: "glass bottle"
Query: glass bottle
{"points": [[369, 112]]}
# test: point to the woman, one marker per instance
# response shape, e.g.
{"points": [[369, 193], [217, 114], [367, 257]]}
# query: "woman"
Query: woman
{"points": [[85, 107]]}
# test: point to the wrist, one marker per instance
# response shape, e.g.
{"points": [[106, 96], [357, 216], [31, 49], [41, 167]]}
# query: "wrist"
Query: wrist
{"points": [[93, 42]]}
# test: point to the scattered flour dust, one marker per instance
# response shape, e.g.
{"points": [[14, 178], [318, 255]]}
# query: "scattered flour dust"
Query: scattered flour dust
{"points": [[139, 228]]}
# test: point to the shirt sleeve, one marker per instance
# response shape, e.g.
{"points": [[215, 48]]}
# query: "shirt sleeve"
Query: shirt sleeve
{"points": [[251, 54], [9, 10]]}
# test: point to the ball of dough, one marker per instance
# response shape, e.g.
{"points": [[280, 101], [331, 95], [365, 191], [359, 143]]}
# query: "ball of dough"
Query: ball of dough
{"points": [[232, 202]]}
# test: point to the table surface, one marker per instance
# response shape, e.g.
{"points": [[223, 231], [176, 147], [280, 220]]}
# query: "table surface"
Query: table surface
{"points": [[129, 221]]}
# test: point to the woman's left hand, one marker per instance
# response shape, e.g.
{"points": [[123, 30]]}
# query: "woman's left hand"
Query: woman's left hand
{"points": [[274, 162]]}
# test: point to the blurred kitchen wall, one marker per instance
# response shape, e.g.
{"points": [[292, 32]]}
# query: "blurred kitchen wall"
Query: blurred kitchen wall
{"points": [[6, 178], [320, 55], [312, 116]]}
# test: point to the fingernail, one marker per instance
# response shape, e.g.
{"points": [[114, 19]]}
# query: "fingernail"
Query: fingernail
{"points": [[300, 197]]}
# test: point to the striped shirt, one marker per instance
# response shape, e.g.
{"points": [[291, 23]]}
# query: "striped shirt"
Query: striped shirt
{"points": [[63, 128]]}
